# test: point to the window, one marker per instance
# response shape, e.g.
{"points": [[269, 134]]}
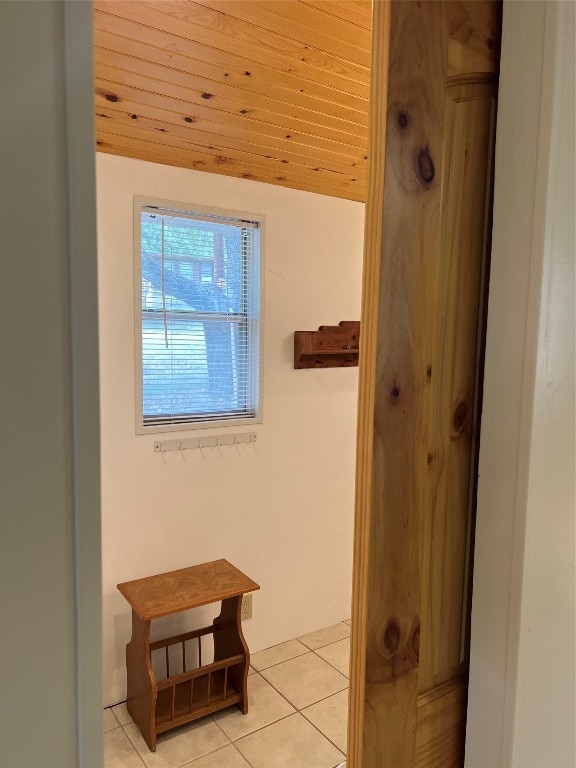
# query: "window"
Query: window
{"points": [[197, 293]]}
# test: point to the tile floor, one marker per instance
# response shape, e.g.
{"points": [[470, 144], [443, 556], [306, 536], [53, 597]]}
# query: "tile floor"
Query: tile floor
{"points": [[298, 710]]}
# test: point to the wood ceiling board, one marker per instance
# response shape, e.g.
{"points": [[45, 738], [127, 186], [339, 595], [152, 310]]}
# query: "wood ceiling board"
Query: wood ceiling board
{"points": [[226, 155], [253, 51], [223, 97], [249, 32], [345, 11], [302, 24], [266, 144], [189, 83], [233, 73], [223, 63], [158, 155], [206, 118], [107, 117]]}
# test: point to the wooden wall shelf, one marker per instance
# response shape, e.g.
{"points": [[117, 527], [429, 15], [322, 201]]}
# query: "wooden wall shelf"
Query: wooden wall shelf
{"points": [[331, 346]]}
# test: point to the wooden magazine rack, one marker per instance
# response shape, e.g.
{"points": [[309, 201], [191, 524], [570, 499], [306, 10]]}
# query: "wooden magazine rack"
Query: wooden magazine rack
{"points": [[159, 705]]}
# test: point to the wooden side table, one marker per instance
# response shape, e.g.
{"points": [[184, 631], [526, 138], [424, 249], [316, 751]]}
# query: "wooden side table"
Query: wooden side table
{"points": [[159, 705]]}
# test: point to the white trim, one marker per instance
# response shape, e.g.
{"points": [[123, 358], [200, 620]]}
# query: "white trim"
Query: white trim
{"points": [[81, 201], [257, 298], [191, 208], [524, 149]]}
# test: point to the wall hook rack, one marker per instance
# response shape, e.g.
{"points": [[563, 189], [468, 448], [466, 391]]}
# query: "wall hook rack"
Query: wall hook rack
{"points": [[331, 346], [199, 443]]}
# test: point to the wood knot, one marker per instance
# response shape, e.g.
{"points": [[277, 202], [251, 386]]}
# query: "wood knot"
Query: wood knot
{"points": [[429, 459], [189, 120], [459, 417], [429, 371], [112, 97], [394, 393], [403, 120], [134, 117], [391, 637], [243, 111], [206, 95], [248, 74], [425, 166]]}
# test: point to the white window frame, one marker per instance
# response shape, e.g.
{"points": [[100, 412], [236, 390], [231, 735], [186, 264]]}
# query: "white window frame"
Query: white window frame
{"points": [[191, 209]]}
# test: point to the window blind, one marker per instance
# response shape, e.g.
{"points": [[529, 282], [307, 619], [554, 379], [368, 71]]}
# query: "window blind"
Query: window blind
{"points": [[199, 317]]}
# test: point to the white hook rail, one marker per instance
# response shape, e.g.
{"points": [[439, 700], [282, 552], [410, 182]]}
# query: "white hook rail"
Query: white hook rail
{"points": [[199, 443]]}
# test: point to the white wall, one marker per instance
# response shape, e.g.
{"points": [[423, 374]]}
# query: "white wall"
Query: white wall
{"points": [[282, 513], [522, 678]]}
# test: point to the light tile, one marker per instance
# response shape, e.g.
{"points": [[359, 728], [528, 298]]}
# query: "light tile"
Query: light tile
{"points": [[289, 743], [331, 717], [109, 721], [227, 757], [305, 680], [265, 706], [119, 752], [277, 654], [180, 746], [325, 636], [121, 713], [337, 654]]}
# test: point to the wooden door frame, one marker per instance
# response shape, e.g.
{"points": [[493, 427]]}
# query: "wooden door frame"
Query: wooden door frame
{"points": [[530, 33], [419, 379], [366, 380]]}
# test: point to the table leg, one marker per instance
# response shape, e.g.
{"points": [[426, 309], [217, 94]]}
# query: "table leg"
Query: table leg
{"points": [[229, 641], [142, 690]]}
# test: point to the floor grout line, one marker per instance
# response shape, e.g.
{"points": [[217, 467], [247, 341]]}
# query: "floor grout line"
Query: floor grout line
{"points": [[300, 712], [322, 732], [283, 662], [347, 676], [332, 642], [314, 702], [134, 746], [241, 755], [297, 639]]}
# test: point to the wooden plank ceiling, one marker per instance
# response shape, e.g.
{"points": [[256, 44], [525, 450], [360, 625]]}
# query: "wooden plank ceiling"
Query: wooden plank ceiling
{"points": [[270, 90]]}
